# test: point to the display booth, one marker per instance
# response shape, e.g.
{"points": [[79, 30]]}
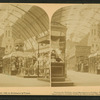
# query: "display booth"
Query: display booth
{"points": [[1, 65], [94, 63], [20, 63], [58, 55], [12, 62], [2, 53]]}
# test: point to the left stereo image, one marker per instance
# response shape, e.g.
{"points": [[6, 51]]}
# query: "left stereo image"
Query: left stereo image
{"points": [[24, 46]]}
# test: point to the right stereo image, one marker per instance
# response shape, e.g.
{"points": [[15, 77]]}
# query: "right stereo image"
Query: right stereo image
{"points": [[75, 46]]}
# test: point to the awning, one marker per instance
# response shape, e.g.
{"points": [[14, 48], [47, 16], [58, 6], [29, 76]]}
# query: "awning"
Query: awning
{"points": [[19, 54], [15, 54]]}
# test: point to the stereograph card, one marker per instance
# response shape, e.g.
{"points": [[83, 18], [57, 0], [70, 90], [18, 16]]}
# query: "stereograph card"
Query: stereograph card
{"points": [[49, 49]]}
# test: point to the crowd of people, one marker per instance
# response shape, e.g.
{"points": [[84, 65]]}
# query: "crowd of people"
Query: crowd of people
{"points": [[25, 66], [82, 66], [88, 65]]}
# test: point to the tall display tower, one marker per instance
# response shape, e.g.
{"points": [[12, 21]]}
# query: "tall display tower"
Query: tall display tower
{"points": [[58, 55]]}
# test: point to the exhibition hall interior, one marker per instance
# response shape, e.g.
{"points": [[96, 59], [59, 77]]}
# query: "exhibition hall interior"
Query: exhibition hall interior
{"points": [[37, 50]]}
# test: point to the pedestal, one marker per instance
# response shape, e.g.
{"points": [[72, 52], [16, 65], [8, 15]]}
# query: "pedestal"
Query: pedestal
{"points": [[58, 78], [98, 71]]}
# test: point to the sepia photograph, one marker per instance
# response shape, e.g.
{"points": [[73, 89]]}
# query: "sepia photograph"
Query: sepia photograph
{"points": [[75, 43], [24, 46], [49, 49]]}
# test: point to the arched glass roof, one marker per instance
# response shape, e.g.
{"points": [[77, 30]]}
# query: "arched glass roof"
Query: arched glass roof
{"points": [[78, 19], [28, 21]]}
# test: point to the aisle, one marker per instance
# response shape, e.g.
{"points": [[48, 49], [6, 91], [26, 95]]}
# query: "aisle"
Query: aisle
{"points": [[14, 81], [84, 79]]}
